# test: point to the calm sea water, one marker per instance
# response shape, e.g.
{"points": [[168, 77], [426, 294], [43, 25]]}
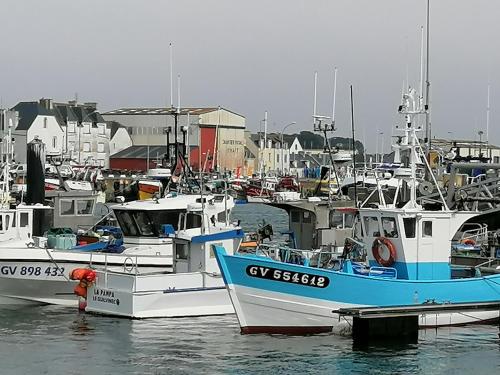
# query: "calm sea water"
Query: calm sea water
{"points": [[55, 340]]}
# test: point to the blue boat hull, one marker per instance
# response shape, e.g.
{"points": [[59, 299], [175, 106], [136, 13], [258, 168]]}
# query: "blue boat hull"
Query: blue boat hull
{"points": [[271, 296]]}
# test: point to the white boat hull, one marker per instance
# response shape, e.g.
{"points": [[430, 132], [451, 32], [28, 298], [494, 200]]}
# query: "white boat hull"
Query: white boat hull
{"points": [[158, 295], [263, 311], [32, 275]]}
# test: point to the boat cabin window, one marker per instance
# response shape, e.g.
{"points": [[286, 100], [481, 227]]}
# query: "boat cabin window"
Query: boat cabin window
{"points": [[84, 207], [371, 226], [390, 228], [427, 229], [193, 221], [409, 224], [181, 251], [23, 220], [295, 216], [147, 223], [66, 207], [336, 220], [349, 220], [307, 217]]}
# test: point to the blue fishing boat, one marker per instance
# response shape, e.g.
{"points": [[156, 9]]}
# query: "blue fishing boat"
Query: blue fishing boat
{"points": [[409, 262]]}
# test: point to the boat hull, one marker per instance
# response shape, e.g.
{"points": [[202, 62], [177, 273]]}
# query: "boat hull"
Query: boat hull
{"points": [[158, 295], [266, 301], [32, 276]]}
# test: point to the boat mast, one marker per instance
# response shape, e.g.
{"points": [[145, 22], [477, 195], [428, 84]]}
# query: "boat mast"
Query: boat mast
{"points": [[428, 133]]}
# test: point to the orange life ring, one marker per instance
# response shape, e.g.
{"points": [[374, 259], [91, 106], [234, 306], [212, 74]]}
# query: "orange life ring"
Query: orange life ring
{"points": [[376, 251]]}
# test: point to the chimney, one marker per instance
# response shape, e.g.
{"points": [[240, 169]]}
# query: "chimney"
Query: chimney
{"points": [[90, 105], [47, 103]]}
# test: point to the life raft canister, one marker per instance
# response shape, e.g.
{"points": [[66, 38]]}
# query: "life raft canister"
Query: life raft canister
{"points": [[377, 243]]}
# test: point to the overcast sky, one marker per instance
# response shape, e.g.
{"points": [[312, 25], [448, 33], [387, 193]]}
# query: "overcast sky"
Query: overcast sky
{"points": [[252, 56]]}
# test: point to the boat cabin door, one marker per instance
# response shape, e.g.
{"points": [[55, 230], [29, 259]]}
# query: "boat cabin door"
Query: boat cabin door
{"points": [[303, 224]]}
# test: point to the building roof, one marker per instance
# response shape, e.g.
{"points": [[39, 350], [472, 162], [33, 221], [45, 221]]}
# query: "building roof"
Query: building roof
{"points": [[140, 152], [64, 114], [114, 126], [161, 111], [28, 111]]}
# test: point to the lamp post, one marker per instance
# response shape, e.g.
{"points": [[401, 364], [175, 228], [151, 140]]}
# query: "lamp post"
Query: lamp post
{"points": [[281, 142]]}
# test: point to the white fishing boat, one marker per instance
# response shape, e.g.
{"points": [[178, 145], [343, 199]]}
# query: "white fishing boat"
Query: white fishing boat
{"points": [[30, 272], [194, 288]]}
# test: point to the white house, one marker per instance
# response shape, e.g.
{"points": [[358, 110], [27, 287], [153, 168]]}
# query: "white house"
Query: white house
{"points": [[36, 121], [74, 130], [296, 147], [120, 137], [272, 157]]}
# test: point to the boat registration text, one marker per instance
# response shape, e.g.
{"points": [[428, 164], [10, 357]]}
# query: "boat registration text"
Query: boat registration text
{"points": [[30, 271], [287, 276]]}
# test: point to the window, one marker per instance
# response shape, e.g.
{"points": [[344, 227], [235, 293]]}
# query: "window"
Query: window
{"points": [[71, 127], [146, 223], [306, 218], [84, 207], [126, 222], [102, 129], [277, 158], [181, 251], [427, 229], [143, 223], [54, 142], [23, 219], [409, 224], [67, 207], [194, 220], [71, 146], [371, 226], [100, 147], [86, 128], [86, 146], [101, 162], [336, 220], [496, 159], [390, 228], [45, 122], [295, 216]]}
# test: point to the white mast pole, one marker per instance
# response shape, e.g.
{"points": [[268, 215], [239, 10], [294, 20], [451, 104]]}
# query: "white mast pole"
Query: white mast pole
{"points": [[171, 78], [334, 94], [265, 129], [421, 96], [315, 87], [488, 117], [178, 94]]}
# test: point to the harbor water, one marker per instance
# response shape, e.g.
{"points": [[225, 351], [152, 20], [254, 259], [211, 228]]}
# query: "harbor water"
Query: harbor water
{"points": [[57, 340]]}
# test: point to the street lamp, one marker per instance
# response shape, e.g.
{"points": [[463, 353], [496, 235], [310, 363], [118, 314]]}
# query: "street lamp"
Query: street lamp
{"points": [[281, 142]]}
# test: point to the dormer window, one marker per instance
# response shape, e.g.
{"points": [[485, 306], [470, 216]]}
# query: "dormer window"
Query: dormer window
{"points": [[102, 129]]}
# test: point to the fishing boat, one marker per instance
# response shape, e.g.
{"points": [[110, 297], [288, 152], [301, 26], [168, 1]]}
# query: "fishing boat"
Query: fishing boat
{"points": [[194, 287], [409, 263], [31, 272]]}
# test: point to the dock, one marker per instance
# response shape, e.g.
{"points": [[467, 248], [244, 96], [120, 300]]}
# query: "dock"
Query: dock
{"points": [[401, 322]]}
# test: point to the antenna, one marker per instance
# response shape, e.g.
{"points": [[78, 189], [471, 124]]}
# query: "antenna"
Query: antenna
{"points": [[427, 83], [421, 64], [488, 117], [315, 87], [334, 94], [265, 129], [171, 79], [178, 93]]}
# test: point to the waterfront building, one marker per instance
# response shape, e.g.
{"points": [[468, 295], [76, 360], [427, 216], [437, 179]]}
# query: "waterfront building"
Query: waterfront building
{"points": [[76, 131], [220, 132], [273, 155]]}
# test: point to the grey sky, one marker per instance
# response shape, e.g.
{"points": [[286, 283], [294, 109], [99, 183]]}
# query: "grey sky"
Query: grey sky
{"points": [[252, 56]]}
